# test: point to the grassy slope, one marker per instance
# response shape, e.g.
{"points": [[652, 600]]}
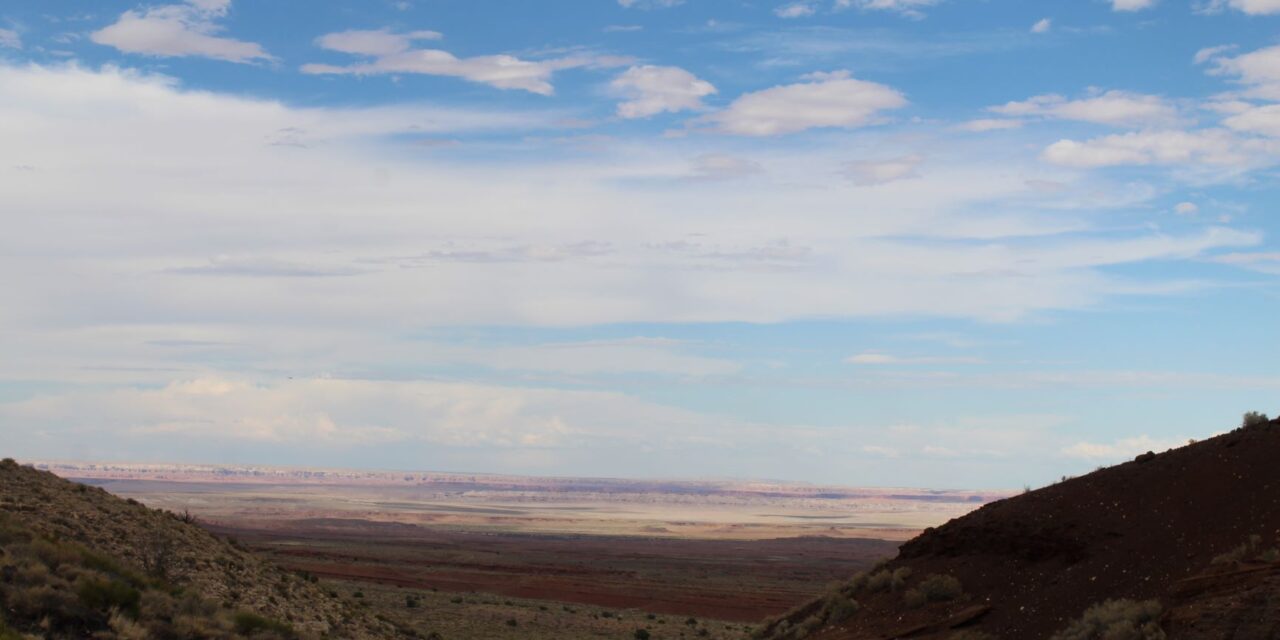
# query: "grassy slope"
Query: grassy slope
{"points": [[81, 555]]}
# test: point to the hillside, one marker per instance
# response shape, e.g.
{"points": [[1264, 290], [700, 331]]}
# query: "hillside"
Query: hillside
{"points": [[1183, 544], [74, 559]]}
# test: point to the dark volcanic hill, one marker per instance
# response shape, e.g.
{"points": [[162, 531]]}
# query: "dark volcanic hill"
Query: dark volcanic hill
{"points": [[1186, 544], [76, 561]]}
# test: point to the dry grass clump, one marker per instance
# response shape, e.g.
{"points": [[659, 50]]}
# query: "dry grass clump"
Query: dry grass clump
{"points": [[1249, 549], [1117, 620]]}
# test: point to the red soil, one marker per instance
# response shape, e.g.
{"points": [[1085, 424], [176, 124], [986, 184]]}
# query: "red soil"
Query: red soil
{"points": [[1141, 530], [730, 580]]}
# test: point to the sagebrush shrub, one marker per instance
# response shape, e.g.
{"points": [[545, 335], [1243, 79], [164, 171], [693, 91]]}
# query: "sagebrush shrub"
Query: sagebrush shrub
{"points": [[1117, 620]]}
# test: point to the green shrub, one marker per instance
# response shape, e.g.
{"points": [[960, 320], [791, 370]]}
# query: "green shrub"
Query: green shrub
{"points": [[939, 588], [878, 581], [105, 594], [641, 634], [899, 578], [248, 623], [1116, 620], [934, 588], [914, 598], [840, 609]]}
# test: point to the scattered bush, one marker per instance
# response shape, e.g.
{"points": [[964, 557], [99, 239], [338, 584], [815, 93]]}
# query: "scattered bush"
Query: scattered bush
{"points": [[840, 609], [970, 634], [512, 622], [641, 634], [1253, 419], [59, 589], [899, 578], [878, 581], [935, 588], [106, 594], [249, 624], [1239, 553], [941, 587], [914, 598], [1116, 620]]}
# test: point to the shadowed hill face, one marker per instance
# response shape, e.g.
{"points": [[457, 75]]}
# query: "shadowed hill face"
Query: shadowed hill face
{"points": [[152, 548], [1196, 529]]}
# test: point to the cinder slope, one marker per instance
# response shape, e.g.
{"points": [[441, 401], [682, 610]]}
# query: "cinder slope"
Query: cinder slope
{"points": [[1196, 528], [173, 549]]}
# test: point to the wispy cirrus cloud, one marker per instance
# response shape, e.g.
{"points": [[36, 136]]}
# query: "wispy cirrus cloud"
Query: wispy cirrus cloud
{"points": [[1208, 147], [649, 4], [1116, 108], [910, 8], [1250, 7], [392, 53], [9, 39], [879, 358], [795, 10], [1132, 5]]}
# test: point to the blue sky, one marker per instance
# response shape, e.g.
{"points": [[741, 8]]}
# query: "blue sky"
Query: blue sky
{"points": [[937, 243]]}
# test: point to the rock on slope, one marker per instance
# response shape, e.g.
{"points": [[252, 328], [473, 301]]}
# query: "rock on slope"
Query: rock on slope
{"points": [[1196, 529], [171, 548]]}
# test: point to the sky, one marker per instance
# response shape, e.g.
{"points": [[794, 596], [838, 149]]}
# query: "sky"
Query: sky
{"points": [[928, 243]]}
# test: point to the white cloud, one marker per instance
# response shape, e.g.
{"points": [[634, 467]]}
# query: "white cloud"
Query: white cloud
{"points": [[623, 28], [908, 8], [381, 42], [651, 90], [10, 39], [990, 124], [1186, 209], [1042, 26], [795, 10], [826, 100], [352, 210], [1215, 147], [178, 30], [1259, 70], [1210, 53], [1263, 261], [1132, 5], [1118, 108], [392, 53], [876, 358], [877, 172], [337, 412], [722, 166], [1122, 449], [1251, 7], [649, 4]]}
